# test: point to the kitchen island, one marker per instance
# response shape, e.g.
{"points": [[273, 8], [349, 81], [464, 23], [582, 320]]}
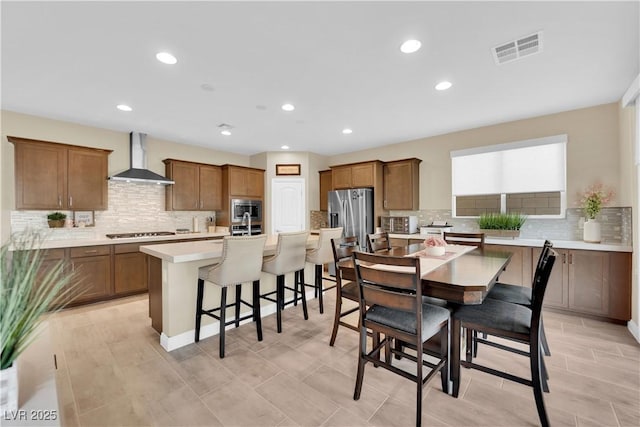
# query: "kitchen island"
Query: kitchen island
{"points": [[173, 275]]}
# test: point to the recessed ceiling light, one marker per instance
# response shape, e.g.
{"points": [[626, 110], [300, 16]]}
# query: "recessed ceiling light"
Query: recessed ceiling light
{"points": [[288, 107], [410, 46], [347, 131], [285, 147], [166, 58], [207, 87], [124, 107], [443, 85], [226, 132]]}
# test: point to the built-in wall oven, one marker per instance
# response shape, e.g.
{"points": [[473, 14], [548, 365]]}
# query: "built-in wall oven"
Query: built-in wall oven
{"points": [[240, 208]]}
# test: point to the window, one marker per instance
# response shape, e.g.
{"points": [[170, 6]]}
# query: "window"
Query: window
{"points": [[525, 176]]}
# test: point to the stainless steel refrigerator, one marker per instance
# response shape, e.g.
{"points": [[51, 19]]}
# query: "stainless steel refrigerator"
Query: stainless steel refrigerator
{"points": [[353, 210]]}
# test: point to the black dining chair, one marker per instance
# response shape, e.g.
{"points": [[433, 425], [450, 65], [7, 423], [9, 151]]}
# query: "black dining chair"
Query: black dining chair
{"points": [[346, 285], [512, 322], [378, 242], [390, 292]]}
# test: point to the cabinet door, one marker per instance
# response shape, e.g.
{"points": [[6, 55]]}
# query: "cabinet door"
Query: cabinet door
{"points": [[401, 185], [130, 273], [363, 175], [620, 285], [40, 176], [210, 188], [341, 177], [557, 294], [184, 193], [589, 281], [518, 272], [94, 272], [87, 179], [237, 182], [255, 183], [325, 187]]}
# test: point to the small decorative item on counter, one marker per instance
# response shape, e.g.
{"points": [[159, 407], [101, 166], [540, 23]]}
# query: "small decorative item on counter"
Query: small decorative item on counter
{"points": [[501, 224], [434, 246], [592, 201], [56, 219]]}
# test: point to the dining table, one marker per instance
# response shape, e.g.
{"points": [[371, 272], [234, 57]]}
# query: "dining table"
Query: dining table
{"points": [[461, 276]]}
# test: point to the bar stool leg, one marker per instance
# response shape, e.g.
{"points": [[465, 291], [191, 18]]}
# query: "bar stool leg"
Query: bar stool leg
{"points": [[295, 289], [300, 280], [238, 296], [199, 308], [318, 291], [223, 310], [256, 308], [279, 301]]}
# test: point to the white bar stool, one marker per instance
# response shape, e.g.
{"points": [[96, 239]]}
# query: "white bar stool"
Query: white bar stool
{"points": [[241, 262], [289, 257], [320, 256]]}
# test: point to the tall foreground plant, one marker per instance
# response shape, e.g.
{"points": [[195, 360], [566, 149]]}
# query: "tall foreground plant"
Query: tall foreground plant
{"points": [[26, 293]]}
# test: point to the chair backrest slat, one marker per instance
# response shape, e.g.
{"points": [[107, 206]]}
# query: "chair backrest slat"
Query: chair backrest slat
{"points": [[378, 242], [342, 248], [393, 299], [393, 279], [539, 285]]}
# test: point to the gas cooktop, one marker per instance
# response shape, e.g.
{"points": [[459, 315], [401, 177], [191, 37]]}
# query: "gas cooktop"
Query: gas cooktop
{"points": [[140, 234]]}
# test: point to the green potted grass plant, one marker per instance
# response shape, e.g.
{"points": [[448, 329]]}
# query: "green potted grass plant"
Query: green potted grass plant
{"points": [[501, 224], [56, 219], [27, 293]]}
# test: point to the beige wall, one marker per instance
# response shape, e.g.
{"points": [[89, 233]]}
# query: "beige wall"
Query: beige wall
{"points": [[592, 151], [27, 126]]}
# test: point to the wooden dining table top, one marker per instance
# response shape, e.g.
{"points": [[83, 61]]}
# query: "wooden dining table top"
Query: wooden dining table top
{"points": [[463, 280]]}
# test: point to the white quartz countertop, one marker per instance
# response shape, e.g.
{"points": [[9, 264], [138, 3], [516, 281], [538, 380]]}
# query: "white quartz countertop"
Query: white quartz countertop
{"points": [[104, 240], [559, 244], [205, 249]]}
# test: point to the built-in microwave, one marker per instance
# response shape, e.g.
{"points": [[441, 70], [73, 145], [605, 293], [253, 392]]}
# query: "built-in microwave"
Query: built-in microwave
{"points": [[239, 207]]}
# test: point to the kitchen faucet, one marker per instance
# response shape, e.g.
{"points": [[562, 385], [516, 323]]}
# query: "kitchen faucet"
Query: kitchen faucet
{"points": [[247, 217]]}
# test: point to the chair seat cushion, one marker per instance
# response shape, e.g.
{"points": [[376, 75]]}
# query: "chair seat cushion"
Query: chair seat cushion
{"points": [[432, 316], [511, 293], [350, 291], [496, 314]]}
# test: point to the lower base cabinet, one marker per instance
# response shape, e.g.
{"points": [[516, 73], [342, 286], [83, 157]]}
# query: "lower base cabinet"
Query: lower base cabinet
{"points": [[94, 273], [130, 269], [519, 271]]}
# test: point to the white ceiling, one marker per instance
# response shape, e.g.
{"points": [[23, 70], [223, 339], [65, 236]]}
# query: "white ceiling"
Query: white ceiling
{"points": [[338, 62]]}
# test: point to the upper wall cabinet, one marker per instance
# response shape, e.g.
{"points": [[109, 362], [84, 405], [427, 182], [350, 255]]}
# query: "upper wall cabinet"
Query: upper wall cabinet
{"points": [[51, 175], [197, 186], [402, 184], [356, 175], [325, 187], [243, 181]]}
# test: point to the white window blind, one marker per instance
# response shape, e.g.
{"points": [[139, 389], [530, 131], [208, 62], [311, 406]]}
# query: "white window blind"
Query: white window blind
{"points": [[536, 165]]}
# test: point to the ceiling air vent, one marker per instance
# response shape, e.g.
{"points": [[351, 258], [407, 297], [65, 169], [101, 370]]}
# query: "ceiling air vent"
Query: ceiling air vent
{"points": [[518, 49]]}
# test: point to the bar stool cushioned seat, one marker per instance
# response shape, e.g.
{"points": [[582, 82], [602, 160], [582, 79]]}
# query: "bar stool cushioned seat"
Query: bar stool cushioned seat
{"points": [[320, 256], [289, 258], [241, 262]]}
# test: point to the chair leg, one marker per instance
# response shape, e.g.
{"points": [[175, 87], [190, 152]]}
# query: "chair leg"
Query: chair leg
{"points": [[535, 357], [470, 341], [419, 367], [375, 340], [336, 317], [398, 346], [543, 338], [256, 308], [361, 362], [544, 375], [319, 287], [444, 353], [295, 289], [315, 282], [223, 311], [237, 307], [279, 300], [455, 357], [300, 280], [199, 308]]}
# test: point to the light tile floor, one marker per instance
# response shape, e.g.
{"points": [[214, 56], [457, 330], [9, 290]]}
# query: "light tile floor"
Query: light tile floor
{"points": [[113, 372]]}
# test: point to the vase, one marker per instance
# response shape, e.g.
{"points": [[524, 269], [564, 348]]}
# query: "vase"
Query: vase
{"points": [[434, 250], [591, 232], [9, 389]]}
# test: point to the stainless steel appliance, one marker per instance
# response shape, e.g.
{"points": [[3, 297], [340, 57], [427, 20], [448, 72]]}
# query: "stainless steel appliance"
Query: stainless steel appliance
{"points": [[353, 210], [399, 224], [241, 206], [436, 228], [242, 229], [139, 234]]}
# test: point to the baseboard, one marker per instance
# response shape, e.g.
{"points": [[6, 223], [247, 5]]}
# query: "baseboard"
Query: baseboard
{"points": [[633, 328], [212, 329]]}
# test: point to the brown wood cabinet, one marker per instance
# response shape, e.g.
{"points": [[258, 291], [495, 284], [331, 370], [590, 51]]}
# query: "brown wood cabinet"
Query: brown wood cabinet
{"points": [[130, 269], [402, 184], [51, 175], [245, 182], [92, 264], [519, 270], [325, 187], [197, 186], [590, 282], [356, 175]]}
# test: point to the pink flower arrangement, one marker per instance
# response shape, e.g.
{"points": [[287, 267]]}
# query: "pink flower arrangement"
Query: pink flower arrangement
{"points": [[594, 198], [433, 241]]}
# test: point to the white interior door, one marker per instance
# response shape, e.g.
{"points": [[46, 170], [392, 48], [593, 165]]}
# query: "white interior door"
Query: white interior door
{"points": [[288, 205]]}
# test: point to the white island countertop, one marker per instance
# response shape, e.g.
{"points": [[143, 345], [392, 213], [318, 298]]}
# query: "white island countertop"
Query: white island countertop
{"points": [[537, 243], [104, 240]]}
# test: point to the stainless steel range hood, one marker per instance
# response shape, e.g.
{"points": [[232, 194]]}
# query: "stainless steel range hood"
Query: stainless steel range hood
{"points": [[138, 171]]}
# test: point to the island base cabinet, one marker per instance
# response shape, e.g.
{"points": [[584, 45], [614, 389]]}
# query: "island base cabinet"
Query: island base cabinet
{"points": [[154, 278], [130, 273]]}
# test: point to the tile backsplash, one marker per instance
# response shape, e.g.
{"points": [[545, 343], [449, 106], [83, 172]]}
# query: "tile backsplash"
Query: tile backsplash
{"points": [[132, 207]]}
